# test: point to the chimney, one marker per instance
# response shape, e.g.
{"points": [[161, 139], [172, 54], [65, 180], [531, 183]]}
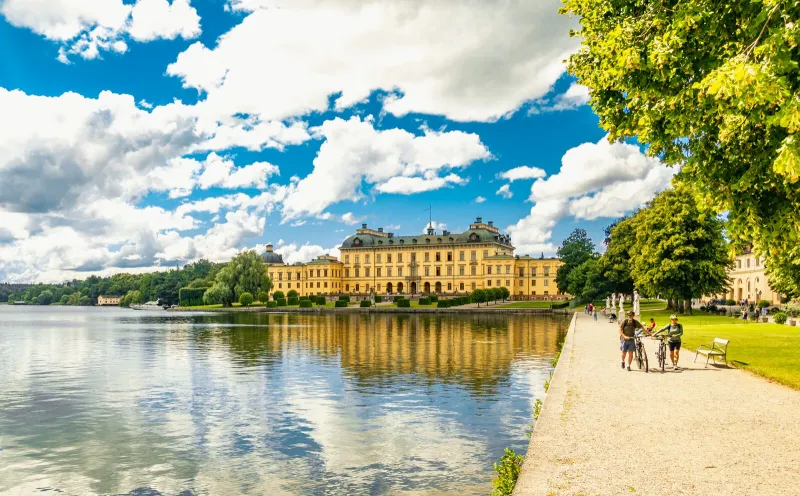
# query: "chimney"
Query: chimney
{"points": [[269, 248], [430, 231], [380, 229], [479, 220], [491, 223], [363, 226]]}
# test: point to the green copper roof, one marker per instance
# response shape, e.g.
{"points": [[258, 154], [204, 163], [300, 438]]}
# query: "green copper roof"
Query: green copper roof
{"points": [[471, 236]]}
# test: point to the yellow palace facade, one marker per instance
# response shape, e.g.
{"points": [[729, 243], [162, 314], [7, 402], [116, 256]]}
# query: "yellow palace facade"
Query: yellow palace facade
{"points": [[374, 261]]}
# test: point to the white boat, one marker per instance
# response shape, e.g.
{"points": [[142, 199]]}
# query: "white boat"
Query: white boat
{"points": [[150, 305]]}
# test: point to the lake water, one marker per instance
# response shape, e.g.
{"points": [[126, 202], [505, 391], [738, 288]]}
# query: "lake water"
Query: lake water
{"points": [[113, 401]]}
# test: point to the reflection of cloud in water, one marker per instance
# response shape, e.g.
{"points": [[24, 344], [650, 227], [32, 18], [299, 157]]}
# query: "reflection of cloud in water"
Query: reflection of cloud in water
{"points": [[95, 403]]}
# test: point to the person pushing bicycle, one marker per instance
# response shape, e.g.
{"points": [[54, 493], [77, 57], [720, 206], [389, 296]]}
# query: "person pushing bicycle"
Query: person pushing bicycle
{"points": [[627, 331], [673, 331]]}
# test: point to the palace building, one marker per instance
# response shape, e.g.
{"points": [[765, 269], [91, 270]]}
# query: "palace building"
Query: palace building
{"points": [[374, 261], [749, 281]]}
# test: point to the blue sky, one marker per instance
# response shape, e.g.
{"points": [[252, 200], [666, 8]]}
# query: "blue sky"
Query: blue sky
{"points": [[145, 134]]}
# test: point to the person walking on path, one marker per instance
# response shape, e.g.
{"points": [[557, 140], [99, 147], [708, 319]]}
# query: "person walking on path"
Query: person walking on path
{"points": [[627, 330], [594, 315], [674, 332]]}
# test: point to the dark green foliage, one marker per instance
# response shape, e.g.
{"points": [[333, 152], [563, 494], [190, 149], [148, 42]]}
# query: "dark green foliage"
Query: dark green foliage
{"points": [[305, 304], [563, 304], [403, 303], [340, 304], [378, 298], [191, 297], [424, 301], [263, 296], [291, 294], [45, 297], [281, 302], [397, 298], [504, 293], [443, 304], [780, 317], [730, 302], [293, 301], [763, 303], [245, 299], [304, 298], [278, 295], [576, 249], [365, 304], [272, 304], [433, 298], [344, 298], [321, 301]]}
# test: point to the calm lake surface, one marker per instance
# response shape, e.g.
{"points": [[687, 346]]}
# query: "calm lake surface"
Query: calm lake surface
{"points": [[113, 401]]}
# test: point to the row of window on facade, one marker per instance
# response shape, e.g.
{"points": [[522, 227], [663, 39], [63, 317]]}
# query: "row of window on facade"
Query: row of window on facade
{"points": [[426, 258], [335, 285], [756, 260]]}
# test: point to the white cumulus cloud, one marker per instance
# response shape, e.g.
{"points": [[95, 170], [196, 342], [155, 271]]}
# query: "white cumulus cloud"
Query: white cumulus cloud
{"points": [[522, 172], [505, 191]]}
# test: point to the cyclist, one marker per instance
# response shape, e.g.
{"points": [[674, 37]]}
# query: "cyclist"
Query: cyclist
{"points": [[627, 331], [674, 331]]}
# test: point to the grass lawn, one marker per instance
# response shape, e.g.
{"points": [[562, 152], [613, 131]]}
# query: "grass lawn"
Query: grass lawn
{"points": [[526, 304], [769, 350]]}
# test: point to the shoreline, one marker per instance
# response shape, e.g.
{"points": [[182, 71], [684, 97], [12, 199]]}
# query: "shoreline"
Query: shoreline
{"points": [[392, 310]]}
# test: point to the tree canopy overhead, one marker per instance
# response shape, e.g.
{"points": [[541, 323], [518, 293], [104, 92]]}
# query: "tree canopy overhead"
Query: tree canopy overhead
{"points": [[713, 86]]}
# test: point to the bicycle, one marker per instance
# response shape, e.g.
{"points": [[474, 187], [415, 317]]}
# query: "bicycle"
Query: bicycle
{"points": [[661, 353], [641, 352]]}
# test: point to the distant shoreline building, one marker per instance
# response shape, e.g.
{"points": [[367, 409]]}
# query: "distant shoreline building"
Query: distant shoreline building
{"points": [[108, 300], [442, 263]]}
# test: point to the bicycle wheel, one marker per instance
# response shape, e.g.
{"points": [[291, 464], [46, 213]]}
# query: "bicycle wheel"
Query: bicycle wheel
{"points": [[639, 360], [644, 356], [662, 357]]}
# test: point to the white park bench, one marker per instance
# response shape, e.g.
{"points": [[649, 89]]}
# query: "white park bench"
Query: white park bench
{"points": [[719, 348]]}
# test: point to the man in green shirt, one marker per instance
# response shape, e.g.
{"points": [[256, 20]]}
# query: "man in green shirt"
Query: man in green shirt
{"points": [[627, 330], [674, 332]]}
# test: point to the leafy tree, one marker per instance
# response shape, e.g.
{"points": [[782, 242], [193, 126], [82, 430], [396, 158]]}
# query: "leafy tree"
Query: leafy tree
{"points": [[217, 294], [680, 250], [246, 299], [45, 297], [278, 295], [479, 296], [244, 273], [504, 293], [263, 296], [85, 301], [292, 294], [587, 282], [575, 249], [713, 87], [616, 260], [131, 298], [198, 283], [64, 300]]}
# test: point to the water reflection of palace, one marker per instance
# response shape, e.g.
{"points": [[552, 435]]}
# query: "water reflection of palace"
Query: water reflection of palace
{"points": [[475, 350]]}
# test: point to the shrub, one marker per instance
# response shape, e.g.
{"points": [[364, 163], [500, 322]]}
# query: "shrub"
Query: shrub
{"points": [[246, 299], [344, 298], [711, 308], [397, 298], [278, 295], [263, 296], [292, 294], [793, 309], [403, 304], [365, 304], [272, 304], [378, 299], [753, 315], [304, 298], [281, 302], [433, 298], [443, 304], [321, 301], [780, 317], [563, 304], [191, 297], [293, 300], [730, 302], [508, 470], [340, 304], [305, 304], [762, 303], [424, 301]]}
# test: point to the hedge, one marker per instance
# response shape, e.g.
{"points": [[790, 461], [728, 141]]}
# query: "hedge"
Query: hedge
{"points": [[730, 302], [281, 302], [263, 296], [278, 295], [443, 304], [340, 304], [304, 298], [433, 298], [344, 298], [321, 301], [305, 304], [378, 299], [780, 317], [397, 298], [272, 304], [403, 304], [424, 301], [292, 294], [365, 304], [191, 297], [293, 301], [563, 304]]}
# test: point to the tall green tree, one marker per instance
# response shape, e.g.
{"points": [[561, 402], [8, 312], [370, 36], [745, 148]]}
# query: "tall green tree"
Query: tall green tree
{"points": [[616, 261], [711, 85], [680, 252], [245, 273], [575, 249]]}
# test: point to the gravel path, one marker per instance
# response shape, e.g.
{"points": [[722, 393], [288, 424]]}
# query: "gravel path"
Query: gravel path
{"points": [[714, 431]]}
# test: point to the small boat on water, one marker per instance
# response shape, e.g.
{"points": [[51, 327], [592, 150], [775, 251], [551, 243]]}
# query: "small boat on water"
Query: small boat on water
{"points": [[150, 305]]}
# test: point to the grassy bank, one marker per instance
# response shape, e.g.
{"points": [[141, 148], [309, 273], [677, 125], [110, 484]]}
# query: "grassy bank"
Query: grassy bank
{"points": [[527, 304], [769, 350]]}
